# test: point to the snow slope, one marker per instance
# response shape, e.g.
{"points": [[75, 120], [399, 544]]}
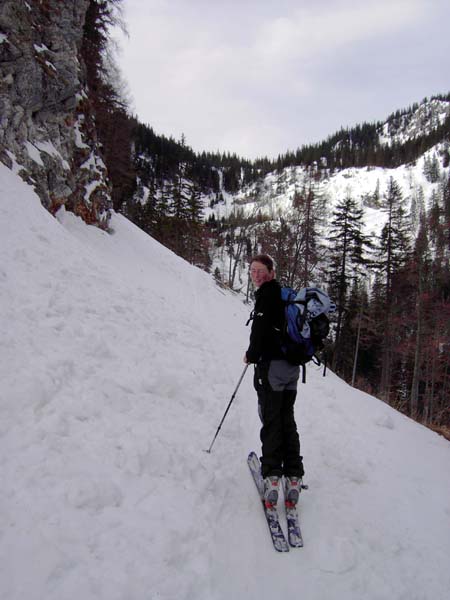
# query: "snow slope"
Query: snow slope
{"points": [[273, 196], [117, 361]]}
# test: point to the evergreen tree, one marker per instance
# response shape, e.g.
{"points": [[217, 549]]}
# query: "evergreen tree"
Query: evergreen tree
{"points": [[346, 256], [431, 168], [197, 246], [420, 263], [395, 240], [446, 213], [308, 216], [393, 254]]}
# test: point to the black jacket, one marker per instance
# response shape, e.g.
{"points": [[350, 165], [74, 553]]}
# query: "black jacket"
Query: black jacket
{"points": [[268, 320]]}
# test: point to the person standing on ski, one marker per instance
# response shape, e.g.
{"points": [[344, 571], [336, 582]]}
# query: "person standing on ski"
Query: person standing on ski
{"points": [[275, 381]]}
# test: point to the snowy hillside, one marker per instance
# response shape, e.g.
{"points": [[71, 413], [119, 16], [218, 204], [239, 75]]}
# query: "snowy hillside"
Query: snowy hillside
{"points": [[274, 195], [417, 123], [117, 360]]}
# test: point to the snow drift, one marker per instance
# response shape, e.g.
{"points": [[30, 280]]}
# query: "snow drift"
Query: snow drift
{"points": [[117, 360]]}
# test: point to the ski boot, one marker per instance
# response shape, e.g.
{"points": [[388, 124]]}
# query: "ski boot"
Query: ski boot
{"points": [[271, 489], [292, 489]]}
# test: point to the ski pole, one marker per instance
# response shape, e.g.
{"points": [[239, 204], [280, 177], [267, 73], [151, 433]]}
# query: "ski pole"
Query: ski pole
{"points": [[228, 407]]}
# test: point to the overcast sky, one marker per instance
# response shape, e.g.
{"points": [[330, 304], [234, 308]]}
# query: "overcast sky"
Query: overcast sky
{"points": [[260, 77]]}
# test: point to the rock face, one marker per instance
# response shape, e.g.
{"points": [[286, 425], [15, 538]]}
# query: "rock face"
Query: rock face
{"points": [[47, 126]]}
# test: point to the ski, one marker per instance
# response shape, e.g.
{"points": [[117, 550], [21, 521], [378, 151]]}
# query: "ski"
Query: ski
{"points": [[278, 539], [294, 531]]}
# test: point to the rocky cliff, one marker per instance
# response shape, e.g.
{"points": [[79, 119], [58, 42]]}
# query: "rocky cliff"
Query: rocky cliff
{"points": [[47, 127]]}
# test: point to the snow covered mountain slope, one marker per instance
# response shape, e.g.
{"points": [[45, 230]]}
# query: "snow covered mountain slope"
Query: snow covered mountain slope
{"points": [[117, 360], [420, 177], [423, 120], [367, 185]]}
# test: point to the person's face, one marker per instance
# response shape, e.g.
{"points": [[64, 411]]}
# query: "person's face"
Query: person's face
{"points": [[260, 273]]}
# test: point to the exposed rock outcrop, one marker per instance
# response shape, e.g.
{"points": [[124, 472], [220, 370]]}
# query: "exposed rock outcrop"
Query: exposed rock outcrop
{"points": [[46, 121]]}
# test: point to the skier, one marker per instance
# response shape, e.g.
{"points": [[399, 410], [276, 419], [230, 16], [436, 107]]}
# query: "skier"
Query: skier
{"points": [[275, 381]]}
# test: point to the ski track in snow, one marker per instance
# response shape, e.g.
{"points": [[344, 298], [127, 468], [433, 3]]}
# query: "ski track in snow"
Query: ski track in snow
{"points": [[117, 361]]}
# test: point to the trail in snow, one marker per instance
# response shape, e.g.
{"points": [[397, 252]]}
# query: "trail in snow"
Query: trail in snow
{"points": [[117, 361]]}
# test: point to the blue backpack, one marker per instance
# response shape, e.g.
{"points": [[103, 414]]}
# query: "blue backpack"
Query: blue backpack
{"points": [[306, 324]]}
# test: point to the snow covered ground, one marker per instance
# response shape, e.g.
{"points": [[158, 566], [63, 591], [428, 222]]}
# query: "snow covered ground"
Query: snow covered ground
{"points": [[117, 361]]}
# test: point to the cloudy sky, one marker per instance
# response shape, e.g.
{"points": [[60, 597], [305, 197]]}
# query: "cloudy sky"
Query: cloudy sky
{"points": [[260, 77]]}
